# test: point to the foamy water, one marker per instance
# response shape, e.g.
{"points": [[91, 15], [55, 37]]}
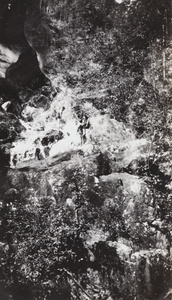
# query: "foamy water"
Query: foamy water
{"points": [[106, 133], [47, 123]]}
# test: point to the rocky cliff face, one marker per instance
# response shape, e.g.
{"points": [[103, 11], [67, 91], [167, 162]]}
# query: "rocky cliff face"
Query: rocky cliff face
{"points": [[85, 154], [20, 68]]}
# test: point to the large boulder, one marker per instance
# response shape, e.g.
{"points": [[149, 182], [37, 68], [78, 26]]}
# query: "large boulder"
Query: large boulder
{"points": [[26, 71], [51, 138]]}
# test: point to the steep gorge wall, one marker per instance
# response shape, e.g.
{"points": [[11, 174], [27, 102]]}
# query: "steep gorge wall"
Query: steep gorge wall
{"points": [[94, 222], [20, 68], [25, 71]]}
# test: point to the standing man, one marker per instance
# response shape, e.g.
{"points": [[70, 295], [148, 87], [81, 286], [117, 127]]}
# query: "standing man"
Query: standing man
{"points": [[84, 124]]}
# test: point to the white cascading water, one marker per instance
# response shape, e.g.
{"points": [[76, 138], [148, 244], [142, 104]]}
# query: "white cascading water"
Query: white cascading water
{"points": [[46, 123], [105, 133]]}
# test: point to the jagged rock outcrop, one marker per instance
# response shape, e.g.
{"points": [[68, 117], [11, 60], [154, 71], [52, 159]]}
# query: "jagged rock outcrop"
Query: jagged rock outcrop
{"points": [[87, 218], [26, 70], [20, 68], [101, 233]]}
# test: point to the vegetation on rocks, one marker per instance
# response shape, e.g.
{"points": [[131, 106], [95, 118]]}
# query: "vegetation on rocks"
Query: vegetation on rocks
{"points": [[92, 219]]}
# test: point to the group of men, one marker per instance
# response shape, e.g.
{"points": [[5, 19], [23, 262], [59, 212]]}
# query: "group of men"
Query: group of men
{"points": [[43, 152], [83, 126]]}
